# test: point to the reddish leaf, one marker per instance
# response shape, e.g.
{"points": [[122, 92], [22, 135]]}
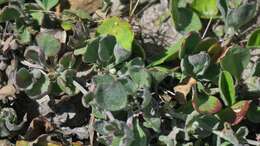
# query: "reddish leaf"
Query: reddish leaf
{"points": [[240, 109], [206, 104]]}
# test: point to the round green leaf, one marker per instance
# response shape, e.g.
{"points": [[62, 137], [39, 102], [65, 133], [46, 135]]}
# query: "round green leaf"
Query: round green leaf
{"points": [[227, 89], [140, 76], [34, 54], [169, 55], [140, 138], [111, 96], [50, 45], [120, 53], [102, 79], [106, 48], [9, 13], [254, 39], [47, 4], [241, 15], [40, 87], [185, 20], [205, 8], [119, 28], [196, 64], [65, 82], [189, 43], [23, 78], [235, 61], [67, 61], [67, 25], [91, 53]]}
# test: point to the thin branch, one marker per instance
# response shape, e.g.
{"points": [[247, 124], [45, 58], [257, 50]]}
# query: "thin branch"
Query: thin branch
{"points": [[110, 116], [133, 10], [206, 30], [82, 89]]}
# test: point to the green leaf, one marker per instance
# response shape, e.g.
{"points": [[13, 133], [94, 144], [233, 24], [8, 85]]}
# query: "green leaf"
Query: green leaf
{"points": [[205, 44], [154, 123], [158, 73], [50, 45], [140, 76], [130, 86], [47, 4], [227, 115], [23, 79], [67, 25], [3, 1], [254, 39], [121, 54], [200, 125], [146, 97], [111, 96], [195, 64], [119, 28], [34, 54], [241, 15], [65, 82], [189, 44], [91, 53], [40, 87], [38, 16], [102, 79], [9, 13], [185, 20], [205, 8], [140, 138], [235, 61], [67, 61], [24, 36], [253, 113], [205, 104], [227, 89], [223, 7], [169, 55], [106, 48]]}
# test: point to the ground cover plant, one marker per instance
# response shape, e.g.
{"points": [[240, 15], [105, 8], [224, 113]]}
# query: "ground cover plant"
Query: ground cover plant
{"points": [[129, 72]]}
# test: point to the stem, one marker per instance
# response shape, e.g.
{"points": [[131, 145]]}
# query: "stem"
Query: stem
{"points": [[206, 30], [82, 89], [110, 116], [253, 142], [133, 10]]}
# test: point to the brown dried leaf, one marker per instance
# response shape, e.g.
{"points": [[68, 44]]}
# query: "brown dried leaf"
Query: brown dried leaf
{"points": [[182, 90], [240, 109], [39, 126], [5, 142], [6, 91], [89, 6], [7, 43]]}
